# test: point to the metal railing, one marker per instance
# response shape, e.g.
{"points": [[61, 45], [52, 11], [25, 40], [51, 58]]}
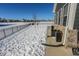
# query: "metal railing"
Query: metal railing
{"points": [[9, 31]]}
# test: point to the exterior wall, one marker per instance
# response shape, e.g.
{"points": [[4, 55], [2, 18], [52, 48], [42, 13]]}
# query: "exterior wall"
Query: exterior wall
{"points": [[73, 26], [65, 14], [71, 40], [71, 15], [58, 11], [70, 21], [54, 8], [58, 6], [57, 18], [61, 17], [69, 12], [60, 14]]}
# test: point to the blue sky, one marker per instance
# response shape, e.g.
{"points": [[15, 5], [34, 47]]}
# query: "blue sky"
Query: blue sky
{"points": [[26, 10]]}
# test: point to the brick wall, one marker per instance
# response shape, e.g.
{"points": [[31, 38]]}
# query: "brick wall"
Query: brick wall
{"points": [[71, 40]]}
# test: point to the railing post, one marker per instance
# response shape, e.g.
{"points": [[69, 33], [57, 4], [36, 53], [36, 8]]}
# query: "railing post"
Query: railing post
{"points": [[4, 32], [17, 28], [12, 29]]}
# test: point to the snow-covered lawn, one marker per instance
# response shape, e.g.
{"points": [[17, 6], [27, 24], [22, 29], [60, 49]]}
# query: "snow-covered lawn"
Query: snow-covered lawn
{"points": [[26, 42]]}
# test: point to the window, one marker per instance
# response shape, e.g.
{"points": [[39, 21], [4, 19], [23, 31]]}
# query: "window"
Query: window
{"points": [[65, 14], [64, 21], [65, 9]]}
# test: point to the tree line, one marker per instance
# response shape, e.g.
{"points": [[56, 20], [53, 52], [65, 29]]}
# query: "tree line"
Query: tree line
{"points": [[14, 20], [22, 20]]}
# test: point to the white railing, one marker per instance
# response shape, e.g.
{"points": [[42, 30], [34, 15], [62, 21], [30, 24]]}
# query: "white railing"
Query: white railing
{"points": [[4, 32]]}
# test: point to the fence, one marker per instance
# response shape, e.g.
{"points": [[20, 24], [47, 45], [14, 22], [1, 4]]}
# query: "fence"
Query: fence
{"points": [[10, 30]]}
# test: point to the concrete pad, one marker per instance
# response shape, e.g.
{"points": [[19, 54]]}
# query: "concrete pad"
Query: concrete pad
{"points": [[56, 51]]}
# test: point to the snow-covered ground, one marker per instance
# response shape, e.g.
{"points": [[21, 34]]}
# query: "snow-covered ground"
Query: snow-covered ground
{"points": [[26, 42]]}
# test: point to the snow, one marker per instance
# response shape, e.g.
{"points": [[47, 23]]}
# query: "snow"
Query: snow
{"points": [[26, 42]]}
